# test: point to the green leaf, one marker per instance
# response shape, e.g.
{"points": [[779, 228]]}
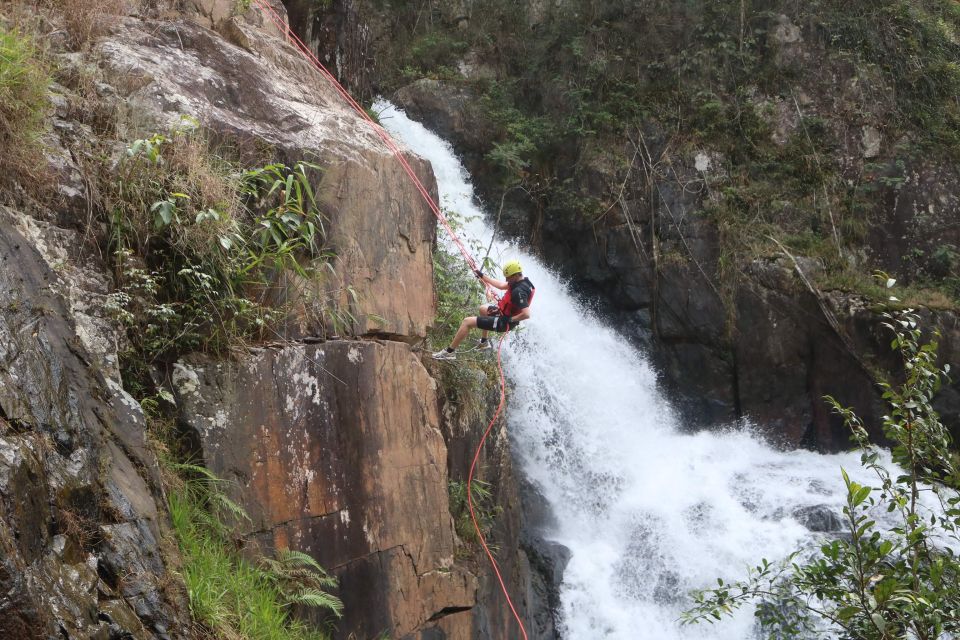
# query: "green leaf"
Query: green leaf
{"points": [[845, 613], [861, 494]]}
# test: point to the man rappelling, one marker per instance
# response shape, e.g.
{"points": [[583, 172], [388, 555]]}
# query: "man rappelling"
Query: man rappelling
{"points": [[499, 316]]}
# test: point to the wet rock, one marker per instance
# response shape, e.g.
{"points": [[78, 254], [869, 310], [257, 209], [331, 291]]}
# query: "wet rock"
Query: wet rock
{"points": [[69, 436], [819, 518], [547, 563], [455, 113], [452, 112]]}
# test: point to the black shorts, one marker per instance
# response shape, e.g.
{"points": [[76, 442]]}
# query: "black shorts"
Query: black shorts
{"points": [[494, 323]]}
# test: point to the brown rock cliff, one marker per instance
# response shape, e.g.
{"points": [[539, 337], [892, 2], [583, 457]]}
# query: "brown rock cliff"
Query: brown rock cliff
{"points": [[336, 447]]}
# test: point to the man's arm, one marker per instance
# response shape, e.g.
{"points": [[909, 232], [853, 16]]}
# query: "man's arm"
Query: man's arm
{"points": [[496, 284], [523, 315]]}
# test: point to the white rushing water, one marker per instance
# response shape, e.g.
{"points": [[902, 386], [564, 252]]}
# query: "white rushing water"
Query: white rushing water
{"points": [[648, 512]]}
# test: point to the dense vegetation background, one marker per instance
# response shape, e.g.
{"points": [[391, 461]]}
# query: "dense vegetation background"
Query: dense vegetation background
{"points": [[810, 116]]}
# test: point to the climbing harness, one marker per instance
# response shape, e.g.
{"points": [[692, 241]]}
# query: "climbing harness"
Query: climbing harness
{"points": [[304, 50]]}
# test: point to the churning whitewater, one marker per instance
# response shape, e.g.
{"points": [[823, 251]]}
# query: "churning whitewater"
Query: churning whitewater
{"points": [[648, 513]]}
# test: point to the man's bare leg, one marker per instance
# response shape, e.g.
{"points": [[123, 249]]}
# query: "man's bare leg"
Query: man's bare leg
{"points": [[483, 312], [468, 323]]}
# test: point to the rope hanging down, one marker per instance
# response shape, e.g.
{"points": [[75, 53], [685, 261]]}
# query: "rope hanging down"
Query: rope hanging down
{"points": [[284, 28], [473, 465]]}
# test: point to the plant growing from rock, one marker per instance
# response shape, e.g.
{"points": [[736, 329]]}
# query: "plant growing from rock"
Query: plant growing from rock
{"points": [[230, 595], [24, 78], [301, 580], [87, 20], [877, 582], [484, 506], [200, 245], [465, 388]]}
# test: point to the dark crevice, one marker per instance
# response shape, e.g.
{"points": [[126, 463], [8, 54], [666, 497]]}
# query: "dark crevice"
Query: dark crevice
{"points": [[107, 575], [447, 611]]}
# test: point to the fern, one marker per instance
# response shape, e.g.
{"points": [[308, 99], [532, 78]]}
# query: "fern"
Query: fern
{"points": [[227, 592], [319, 599], [206, 485], [301, 580]]}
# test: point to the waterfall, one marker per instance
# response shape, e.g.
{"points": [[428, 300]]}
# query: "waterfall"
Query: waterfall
{"points": [[647, 511]]}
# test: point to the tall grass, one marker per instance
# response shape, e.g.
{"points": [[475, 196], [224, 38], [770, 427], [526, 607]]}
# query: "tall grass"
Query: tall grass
{"points": [[87, 20], [229, 595], [24, 79]]}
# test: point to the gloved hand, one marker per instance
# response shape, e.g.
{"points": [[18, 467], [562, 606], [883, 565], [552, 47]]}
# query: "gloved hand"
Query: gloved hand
{"points": [[493, 310], [478, 273]]}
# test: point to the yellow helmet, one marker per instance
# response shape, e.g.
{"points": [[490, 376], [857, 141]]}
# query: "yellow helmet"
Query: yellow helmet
{"points": [[512, 268]]}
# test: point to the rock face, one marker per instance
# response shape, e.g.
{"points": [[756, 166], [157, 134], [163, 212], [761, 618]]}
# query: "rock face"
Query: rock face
{"points": [[81, 521], [336, 450], [765, 345], [379, 227], [454, 113]]}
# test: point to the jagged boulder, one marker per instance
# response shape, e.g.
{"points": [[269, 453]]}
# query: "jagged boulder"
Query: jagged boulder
{"points": [[819, 518]]}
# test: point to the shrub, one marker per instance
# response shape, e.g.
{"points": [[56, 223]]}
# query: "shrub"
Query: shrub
{"points": [[87, 20], [484, 506], [200, 244], [874, 583]]}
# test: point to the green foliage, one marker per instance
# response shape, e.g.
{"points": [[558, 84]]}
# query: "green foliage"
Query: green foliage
{"points": [[914, 44], [466, 386], [24, 79], [458, 292], [228, 594], [199, 243], [485, 508], [702, 75], [301, 580], [291, 225], [436, 50], [876, 582]]}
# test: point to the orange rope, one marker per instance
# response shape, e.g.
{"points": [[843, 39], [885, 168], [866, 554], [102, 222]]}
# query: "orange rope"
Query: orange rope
{"points": [[476, 457], [284, 28]]}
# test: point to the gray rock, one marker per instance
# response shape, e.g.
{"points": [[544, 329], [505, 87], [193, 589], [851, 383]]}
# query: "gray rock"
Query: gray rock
{"points": [[266, 93], [870, 141], [819, 518], [70, 438]]}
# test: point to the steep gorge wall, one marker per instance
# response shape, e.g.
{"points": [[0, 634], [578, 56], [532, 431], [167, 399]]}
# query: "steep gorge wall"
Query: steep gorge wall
{"points": [[337, 447], [738, 331], [336, 450], [83, 529]]}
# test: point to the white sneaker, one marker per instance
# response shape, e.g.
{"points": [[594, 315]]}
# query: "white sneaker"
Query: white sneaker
{"points": [[443, 354]]}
